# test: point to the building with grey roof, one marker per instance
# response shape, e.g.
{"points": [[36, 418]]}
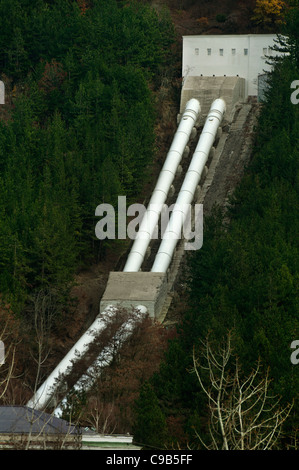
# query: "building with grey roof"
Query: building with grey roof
{"points": [[25, 428]]}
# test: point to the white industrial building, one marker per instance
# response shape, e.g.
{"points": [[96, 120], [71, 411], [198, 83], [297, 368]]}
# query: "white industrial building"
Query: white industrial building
{"points": [[243, 55]]}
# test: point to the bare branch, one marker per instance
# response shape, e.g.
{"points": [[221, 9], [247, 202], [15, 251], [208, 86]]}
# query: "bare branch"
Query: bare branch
{"points": [[243, 415]]}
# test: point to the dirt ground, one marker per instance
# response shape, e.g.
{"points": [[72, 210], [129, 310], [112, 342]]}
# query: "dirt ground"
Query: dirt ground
{"points": [[210, 17], [234, 158]]}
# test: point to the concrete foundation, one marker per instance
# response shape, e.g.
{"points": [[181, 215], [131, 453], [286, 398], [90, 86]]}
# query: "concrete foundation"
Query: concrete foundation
{"points": [[207, 89], [130, 289]]}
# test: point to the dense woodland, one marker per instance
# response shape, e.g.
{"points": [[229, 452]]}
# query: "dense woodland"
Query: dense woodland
{"points": [[78, 129], [243, 282]]}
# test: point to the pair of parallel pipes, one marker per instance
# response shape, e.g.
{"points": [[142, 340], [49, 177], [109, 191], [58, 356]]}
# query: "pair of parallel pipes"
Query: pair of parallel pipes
{"points": [[174, 228], [46, 391], [186, 195], [165, 180]]}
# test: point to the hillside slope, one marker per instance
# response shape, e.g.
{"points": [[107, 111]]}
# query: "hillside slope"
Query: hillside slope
{"points": [[206, 17]]}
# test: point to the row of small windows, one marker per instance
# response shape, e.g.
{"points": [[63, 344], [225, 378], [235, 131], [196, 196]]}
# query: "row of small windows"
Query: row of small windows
{"points": [[266, 50]]}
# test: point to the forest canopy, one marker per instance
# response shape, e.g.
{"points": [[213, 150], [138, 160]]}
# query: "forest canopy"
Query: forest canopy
{"points": [[77, 128], [244, 280]]}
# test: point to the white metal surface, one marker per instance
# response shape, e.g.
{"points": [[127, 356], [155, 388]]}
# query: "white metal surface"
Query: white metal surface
{"points": [[105, 357], [44, 393], [174, 228], [166, 177]]}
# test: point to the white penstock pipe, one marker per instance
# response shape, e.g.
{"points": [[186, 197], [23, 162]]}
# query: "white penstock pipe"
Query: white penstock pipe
{"points": [[174, 228], [45, 392], [105, 357], [166, 177]]}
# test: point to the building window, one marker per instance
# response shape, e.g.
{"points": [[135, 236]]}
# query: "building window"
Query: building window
{"points": [[196, 51], [233, 51], [209, 51], [264, 51], [221, 51], [245, 51]]}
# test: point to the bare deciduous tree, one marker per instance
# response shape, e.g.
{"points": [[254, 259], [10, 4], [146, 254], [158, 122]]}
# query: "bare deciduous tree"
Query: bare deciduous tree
{"points": [[44, 309], [6, 371], [243, 415], [100, 416], [7, 366]]}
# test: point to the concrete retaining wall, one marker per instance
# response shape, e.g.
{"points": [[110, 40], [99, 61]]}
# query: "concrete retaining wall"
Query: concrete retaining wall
{"points": [[207, 89], [129, 290]]}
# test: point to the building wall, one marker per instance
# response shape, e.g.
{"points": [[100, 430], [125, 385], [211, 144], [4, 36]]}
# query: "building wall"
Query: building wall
{"points": [[231, 55], [22, 441], [111, 442]]}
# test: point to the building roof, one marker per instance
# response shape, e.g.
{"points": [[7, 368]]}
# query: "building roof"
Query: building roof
{"points": [[253, 35], [23, 420]]}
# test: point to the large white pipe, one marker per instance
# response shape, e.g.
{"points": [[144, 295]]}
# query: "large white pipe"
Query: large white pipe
{"points": [[174, 228], [105, 357], [45, 392], [166, 177]]}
